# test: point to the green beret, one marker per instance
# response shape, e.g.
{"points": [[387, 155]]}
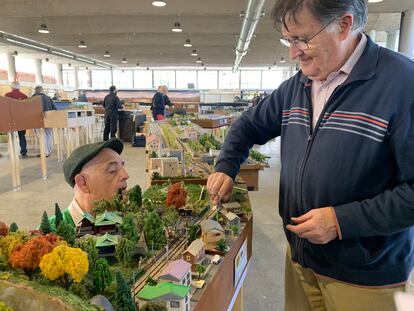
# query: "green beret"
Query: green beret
{"points": [[83, 154]]}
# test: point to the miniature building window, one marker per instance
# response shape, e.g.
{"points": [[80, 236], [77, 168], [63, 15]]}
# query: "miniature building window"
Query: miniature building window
{"points": [[218, 234], [174, 304], [188, 258], [183, 281], [186, 299]]}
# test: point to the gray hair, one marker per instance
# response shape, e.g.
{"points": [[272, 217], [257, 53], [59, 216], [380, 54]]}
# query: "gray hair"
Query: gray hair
{"points": [[325, 11], [15, 85], [39, 89]]}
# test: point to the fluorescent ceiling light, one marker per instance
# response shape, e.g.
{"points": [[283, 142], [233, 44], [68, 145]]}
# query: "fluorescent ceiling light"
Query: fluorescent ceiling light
{"points": [[85, 60], [284, 42], [177, 28], [194, 53], [43, 29], [24, 44], [62, 54], [107, 54], [199, 61], [159, 3], [374, 1], [82, 44], [188, 44]]}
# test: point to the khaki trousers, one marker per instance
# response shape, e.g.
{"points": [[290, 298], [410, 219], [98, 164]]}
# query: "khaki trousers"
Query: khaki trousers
{"points": [[306, 291]]}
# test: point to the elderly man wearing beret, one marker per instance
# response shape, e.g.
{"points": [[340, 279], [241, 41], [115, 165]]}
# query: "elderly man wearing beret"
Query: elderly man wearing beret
{"points": [[94, 171]]}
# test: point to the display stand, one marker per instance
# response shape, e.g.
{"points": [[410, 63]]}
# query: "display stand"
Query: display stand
{"points": [[18, 115], [70, 126]]}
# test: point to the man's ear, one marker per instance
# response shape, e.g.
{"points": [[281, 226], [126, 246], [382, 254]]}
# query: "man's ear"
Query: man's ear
{"points": [[80, 181], [346, 23]]}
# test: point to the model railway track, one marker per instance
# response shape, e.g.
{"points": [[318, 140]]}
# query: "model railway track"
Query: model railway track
{"points": [[160, 262]]}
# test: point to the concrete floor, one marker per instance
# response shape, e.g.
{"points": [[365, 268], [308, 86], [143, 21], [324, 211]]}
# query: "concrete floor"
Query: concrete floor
{"points": [[263, 289]]}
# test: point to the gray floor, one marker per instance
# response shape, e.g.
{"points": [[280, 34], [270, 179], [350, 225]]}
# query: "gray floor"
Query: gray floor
{"points": [[263, 289]]}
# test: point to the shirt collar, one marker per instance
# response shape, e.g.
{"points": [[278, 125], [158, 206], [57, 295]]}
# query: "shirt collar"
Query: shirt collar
{"points": [[76, 212], [355, 56]]}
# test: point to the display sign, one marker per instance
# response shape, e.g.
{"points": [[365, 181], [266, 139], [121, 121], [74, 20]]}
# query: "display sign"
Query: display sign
{"points": [[240, 262]]}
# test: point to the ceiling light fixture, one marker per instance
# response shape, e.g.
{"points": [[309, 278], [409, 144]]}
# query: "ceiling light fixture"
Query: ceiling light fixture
{"points": [[137, 64], [282, 60], [43, 29], [199, 61], [124, 61], [15, 53], [374, 1], [70, 65], [177, 27], [24, 44], [107, 54], [194, 53], [62, 54], [85, 60], [159, 3], [188, 44], [46, 60], [82, 44]]}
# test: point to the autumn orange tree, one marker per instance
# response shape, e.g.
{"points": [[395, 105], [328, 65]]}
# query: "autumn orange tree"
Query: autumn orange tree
{"points": [[176, 195], [65, 264], [4, 230], [27, 256], [9, 242]]}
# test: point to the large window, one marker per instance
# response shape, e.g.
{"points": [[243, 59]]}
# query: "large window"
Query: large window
{"points": [[271, 79], [207, 79], [143, 79], [4, 67], [68, 77], [49, 72], [186, 79], [101, 79], [84, 77], [164, 77], [123, 79], [229, 80], [26, 69], [251, 79]]}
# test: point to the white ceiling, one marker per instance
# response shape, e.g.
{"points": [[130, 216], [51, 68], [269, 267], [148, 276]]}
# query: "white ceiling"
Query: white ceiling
{"points": [[142, 33]]}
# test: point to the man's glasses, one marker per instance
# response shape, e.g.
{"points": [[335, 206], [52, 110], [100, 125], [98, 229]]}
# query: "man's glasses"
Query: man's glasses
{"points": [[302, 44]]}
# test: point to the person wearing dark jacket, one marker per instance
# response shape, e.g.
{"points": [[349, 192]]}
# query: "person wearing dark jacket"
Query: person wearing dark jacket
{"points": [[15, 93], [346, 122], [47, 105], [159, 101], [111, 104]]}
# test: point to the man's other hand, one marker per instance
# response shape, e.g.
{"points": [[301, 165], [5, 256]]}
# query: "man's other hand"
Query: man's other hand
{"points": [[317, 226], [219, 186]]}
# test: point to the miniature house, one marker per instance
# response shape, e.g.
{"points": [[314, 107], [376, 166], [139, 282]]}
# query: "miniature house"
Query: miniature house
{"points": [[177, 272], [191, 133], [155, 164], [195, 254], [177, 297], [86, 225], [107, 222], [106, 244], [233, 207], [232, 219], [176, 154], [153, 143], [169, 167], [211, 233]]}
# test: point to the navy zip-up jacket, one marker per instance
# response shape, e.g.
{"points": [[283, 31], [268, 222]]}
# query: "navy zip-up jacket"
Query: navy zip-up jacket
{"points": [[359, 159]]}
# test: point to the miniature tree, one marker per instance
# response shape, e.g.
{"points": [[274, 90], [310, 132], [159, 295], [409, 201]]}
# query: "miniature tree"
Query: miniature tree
{"points": [[153, 154], [135, 195], [154, 306], [4, 307], [4, 230], [102, 276], [58, 215], [151, 282], [88, 246], [45, 224], [66, 264], [123, 298], [154, 230], [129, 228], [13, 227], [235, 230], [124, 251], [9, 242], [170, 218], [176, 196], [193, 232], [67, 232], [200, 270], [221, 245], [27, 256]]}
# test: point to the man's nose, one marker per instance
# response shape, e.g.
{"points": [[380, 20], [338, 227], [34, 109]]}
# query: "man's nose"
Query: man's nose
{"points": [[294, 52], [124, 173]]}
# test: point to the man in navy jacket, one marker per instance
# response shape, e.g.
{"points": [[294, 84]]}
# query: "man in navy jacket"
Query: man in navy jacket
{"points": [[346, 122]]}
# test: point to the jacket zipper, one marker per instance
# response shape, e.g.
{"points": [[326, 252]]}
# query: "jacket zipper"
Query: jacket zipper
{"points": [[311, 137]]}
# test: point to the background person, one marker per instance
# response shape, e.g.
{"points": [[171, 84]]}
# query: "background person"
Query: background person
{"points": [[111, 104]]}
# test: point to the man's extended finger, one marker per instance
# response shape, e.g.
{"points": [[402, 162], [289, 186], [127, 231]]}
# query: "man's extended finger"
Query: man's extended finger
{"points": [[303, 218], [301, 228]]}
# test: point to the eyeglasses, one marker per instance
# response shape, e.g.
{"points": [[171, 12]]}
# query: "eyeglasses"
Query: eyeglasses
{"points": [[302, 44]]}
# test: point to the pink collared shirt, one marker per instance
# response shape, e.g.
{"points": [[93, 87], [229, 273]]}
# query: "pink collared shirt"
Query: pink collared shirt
{"points": [[322, 90]]}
